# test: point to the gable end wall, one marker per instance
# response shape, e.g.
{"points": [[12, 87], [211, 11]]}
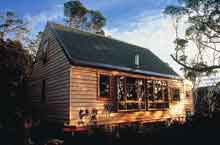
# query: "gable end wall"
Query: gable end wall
{"points": [[56, 72]]}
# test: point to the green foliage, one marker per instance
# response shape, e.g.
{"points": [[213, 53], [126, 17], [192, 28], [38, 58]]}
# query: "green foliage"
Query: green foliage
{"points": [[15, 69], [32, 44], [10, 23], [175, 10], [181, 42], [192, 74], [15, 65], [77, 16], [183, 58], [202, 30], [98, 19], [74, 8]]}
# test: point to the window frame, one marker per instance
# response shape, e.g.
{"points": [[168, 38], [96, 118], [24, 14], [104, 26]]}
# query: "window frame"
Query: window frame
{"points": [[164, 101], [44, 47], [99, 86], [139, 102], [131, 88]]}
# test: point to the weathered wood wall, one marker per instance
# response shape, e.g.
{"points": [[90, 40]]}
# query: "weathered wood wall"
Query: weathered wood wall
{"points": [[84, 94], [56, 73], [188, 97], [71, 88]]}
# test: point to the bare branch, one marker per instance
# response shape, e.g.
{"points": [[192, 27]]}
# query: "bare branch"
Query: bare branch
{"points": [[203, 69], [209, 46]]}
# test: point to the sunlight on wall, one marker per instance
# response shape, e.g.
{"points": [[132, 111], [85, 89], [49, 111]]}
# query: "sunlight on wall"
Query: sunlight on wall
{"points": [[177, 109]]}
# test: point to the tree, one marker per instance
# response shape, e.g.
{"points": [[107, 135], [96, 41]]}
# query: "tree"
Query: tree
{"points": [[201, 38], [203, 29], [17, 54], [11, 25], [15, 65], [15, 28], [78, 16], [32, 45]]}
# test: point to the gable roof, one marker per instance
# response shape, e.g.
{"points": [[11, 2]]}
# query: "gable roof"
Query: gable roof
{"points": [[84, 48]]}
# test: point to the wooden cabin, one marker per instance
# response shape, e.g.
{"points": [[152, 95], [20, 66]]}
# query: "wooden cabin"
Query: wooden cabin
{"points": [[80, 78]]}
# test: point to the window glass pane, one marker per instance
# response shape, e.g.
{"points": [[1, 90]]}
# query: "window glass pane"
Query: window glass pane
{"points": [[137, 94], [149, 89], [130, 93], [104, 86], [158, 90], [44, 53], [120, 88], [140, 89], [157, 94], [131, 89], [45, 45]]}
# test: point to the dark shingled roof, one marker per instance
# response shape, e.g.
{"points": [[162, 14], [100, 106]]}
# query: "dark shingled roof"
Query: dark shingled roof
{"points": [[89, 49]]}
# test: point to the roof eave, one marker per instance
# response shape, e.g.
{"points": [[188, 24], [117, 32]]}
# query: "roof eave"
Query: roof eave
{"points": [[127, 69]]}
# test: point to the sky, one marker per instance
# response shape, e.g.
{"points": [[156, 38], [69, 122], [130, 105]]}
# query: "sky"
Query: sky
{"points": [[140, 22]]}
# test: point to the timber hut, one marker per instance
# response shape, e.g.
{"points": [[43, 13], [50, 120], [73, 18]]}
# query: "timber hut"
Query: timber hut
{"points": [[81, 78]]}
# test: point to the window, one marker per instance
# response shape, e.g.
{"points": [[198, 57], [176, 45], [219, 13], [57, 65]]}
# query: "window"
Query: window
{"points": [[175, 94], [150, 89], [104, 86], [121, 97], [44, 51], [157, 94], [43, 92], [130, 93], [137, 60], [134, 94]]}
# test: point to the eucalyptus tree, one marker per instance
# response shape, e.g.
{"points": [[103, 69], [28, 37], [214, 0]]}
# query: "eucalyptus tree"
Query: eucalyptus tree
{"points": [[32, 44], [198, 50], [78, 16], [11, 25], [15, 64]]}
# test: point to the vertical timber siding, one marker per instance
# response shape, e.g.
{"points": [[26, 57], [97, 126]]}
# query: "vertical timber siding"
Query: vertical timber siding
{"points": [[56, 73]]}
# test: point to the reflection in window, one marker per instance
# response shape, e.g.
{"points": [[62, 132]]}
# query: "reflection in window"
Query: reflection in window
{"points": [[131, 89], [157, 94], [140, 94], [120, 88], [134, 97], [150, 89], [121, 93], [44, 52], [104, 86], [157, 90]]}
